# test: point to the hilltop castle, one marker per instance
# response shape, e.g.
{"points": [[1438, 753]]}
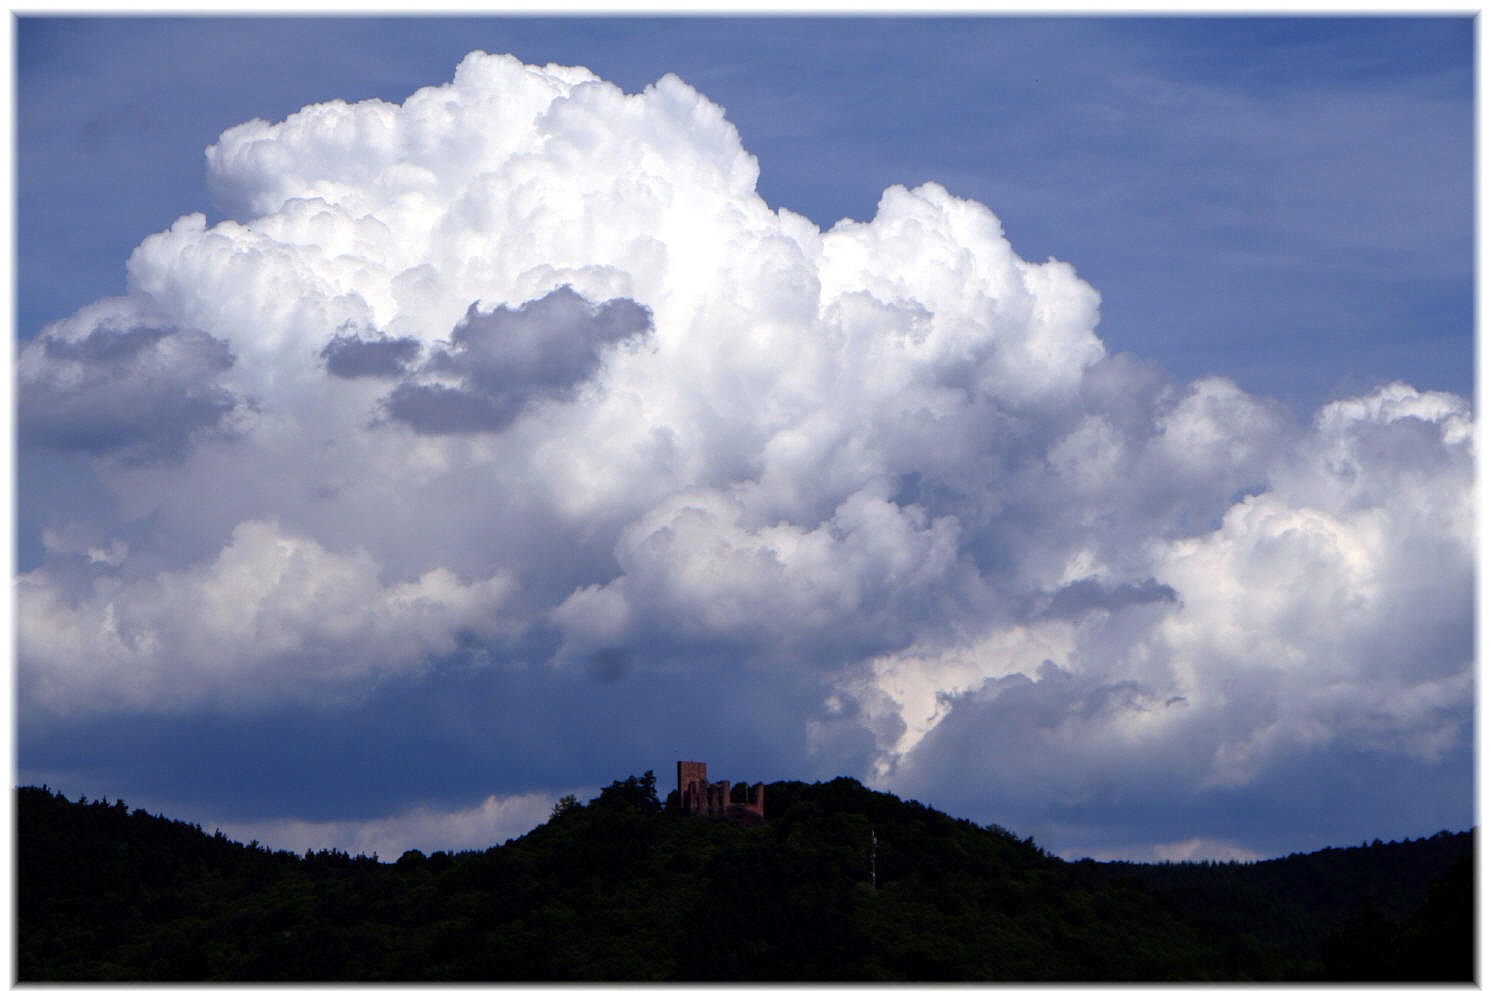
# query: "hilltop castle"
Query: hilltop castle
{"points": [[697, 797]]}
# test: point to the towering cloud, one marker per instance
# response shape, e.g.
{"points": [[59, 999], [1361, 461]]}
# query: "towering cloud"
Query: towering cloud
{"points": [[523, 374]]}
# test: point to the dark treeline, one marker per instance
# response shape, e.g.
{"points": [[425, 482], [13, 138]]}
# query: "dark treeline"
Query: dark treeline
{"points": [[623, 889]]}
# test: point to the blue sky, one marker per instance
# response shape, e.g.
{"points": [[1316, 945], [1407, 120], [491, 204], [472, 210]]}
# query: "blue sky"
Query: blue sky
{"points": [[1275, 213]]}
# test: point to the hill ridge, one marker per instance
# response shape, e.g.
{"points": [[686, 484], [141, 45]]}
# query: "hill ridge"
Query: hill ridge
{"points": [[624, 889]]}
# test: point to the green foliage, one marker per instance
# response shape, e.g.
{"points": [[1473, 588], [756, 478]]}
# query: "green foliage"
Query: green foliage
{"points": [[1435, 944], [620, 890], [1336, 914], [632, 793]]}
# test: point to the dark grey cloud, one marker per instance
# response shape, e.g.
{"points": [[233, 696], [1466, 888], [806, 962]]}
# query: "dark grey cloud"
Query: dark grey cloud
{"points": [[609, 665], [350, 355], [506, 359], [1081, 596], [1008, 754], [142, 393], [436, 738], [435, 409]]}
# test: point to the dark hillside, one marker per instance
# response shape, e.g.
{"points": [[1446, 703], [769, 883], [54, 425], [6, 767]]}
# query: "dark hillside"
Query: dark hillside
{"points": [[840, 884], [1295, 903]]}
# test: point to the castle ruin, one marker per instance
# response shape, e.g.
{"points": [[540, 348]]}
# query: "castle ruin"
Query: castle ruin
{"points": [[697, 797]]}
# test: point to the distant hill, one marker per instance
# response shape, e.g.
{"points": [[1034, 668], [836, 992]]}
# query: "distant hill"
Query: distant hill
{"points": [[624, 889]]}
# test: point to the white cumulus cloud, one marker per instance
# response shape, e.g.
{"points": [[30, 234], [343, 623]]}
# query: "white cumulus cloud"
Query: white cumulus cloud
{"points": [[272, 616], [525, 362]]}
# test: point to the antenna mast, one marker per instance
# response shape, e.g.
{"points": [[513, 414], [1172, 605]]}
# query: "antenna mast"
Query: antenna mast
{"points": [[874, 843]]}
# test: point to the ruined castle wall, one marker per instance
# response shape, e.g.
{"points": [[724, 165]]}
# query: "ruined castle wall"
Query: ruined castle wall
{"points": [[697, 796]]}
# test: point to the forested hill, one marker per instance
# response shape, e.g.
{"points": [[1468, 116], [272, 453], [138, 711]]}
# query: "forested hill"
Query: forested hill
{"points": [[841, 884]]}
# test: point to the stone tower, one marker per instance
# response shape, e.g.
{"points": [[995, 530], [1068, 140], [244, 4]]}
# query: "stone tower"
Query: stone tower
{"points": [[697, 797], [693, 782]]}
